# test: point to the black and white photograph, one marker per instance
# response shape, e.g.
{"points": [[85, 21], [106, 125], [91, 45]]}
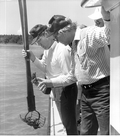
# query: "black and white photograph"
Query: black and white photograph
{"points": [[59, 67]]}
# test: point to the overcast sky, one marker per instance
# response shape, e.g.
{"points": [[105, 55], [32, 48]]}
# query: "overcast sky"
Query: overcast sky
{"points": [[39, 12]]}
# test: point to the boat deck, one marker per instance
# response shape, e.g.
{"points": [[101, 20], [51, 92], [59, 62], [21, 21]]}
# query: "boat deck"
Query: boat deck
{"points": [[56, 126]]}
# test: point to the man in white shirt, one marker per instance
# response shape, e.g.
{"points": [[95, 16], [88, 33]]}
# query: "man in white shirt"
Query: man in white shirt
{"points": [[57, 65], [92, 70]]}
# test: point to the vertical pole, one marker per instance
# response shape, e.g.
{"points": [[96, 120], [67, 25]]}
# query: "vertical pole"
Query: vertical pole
{"points": [[115, 71], [30, 92], [114, 7]]}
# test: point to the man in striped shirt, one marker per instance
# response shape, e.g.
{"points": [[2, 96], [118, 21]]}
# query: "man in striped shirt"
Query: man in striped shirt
{"points": [[91, 70]]}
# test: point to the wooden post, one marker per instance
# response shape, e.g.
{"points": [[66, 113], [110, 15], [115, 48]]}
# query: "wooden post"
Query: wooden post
{"points": [[114, 7]]}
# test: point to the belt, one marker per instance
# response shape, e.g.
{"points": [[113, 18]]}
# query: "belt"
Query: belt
{"points": [[103, 80]]}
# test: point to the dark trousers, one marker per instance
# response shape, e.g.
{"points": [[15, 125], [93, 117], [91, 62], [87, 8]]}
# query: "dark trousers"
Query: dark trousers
{"points": [[95, 110], [68, 108]]}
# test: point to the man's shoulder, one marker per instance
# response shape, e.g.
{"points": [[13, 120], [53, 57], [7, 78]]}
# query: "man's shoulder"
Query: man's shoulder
{"points": [[64, 49], [88, 31], [61, 45]]}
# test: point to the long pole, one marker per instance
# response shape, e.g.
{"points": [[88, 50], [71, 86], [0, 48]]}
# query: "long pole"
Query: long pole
{"points": [[24, 24]]}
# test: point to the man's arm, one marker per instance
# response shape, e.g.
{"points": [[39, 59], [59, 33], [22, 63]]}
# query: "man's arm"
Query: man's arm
{"points": [[67, 67]]}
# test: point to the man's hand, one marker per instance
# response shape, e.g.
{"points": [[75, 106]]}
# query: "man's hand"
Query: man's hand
{"points": [[45, 82], [25, 53], [105, 14]]}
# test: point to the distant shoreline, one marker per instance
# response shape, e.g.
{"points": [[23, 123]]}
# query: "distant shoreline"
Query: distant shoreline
{"points": [[38, 50], [10, 44], [16, 44]]}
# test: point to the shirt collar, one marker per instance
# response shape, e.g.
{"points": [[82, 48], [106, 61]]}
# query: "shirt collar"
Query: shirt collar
{"points": [[77, 34], [53, 45], [68, 47]]}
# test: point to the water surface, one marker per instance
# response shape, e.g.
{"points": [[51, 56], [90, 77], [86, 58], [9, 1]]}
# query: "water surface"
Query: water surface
{"points": [[13, 92]]}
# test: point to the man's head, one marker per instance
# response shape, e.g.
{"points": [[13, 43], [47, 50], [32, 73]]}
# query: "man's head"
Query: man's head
{"points": [[97, 17], [46, 41], [61, 28], [39, 34], [53, 18], [37, 31]]}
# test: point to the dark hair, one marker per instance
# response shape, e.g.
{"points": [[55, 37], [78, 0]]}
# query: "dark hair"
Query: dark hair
{"points": [[53, 18]]}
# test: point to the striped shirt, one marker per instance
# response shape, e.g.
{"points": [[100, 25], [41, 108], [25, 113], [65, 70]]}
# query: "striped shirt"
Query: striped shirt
{"points": [[91, 60]]}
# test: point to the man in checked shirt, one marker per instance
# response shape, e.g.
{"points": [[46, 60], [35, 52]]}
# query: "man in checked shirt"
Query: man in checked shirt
{"points": [[91, 70]]}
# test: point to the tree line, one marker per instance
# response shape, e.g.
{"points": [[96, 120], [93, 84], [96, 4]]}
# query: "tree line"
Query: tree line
{"points": [[17, 39]]}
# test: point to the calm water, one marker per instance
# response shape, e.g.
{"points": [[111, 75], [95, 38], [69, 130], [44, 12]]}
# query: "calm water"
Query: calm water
{"points": [[13, 92]]}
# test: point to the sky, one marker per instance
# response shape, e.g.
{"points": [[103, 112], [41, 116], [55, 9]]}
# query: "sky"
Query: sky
{"points": [[39, 12]]}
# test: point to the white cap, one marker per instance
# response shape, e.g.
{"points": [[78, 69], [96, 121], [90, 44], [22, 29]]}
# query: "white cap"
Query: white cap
{"points": [[97, 14]]}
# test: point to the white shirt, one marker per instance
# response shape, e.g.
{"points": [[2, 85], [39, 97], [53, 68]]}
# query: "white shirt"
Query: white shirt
{"points": [[91, 62], [56, 63]]}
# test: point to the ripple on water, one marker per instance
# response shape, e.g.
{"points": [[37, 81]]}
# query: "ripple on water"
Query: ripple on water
{"points": [[13, 94]]}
